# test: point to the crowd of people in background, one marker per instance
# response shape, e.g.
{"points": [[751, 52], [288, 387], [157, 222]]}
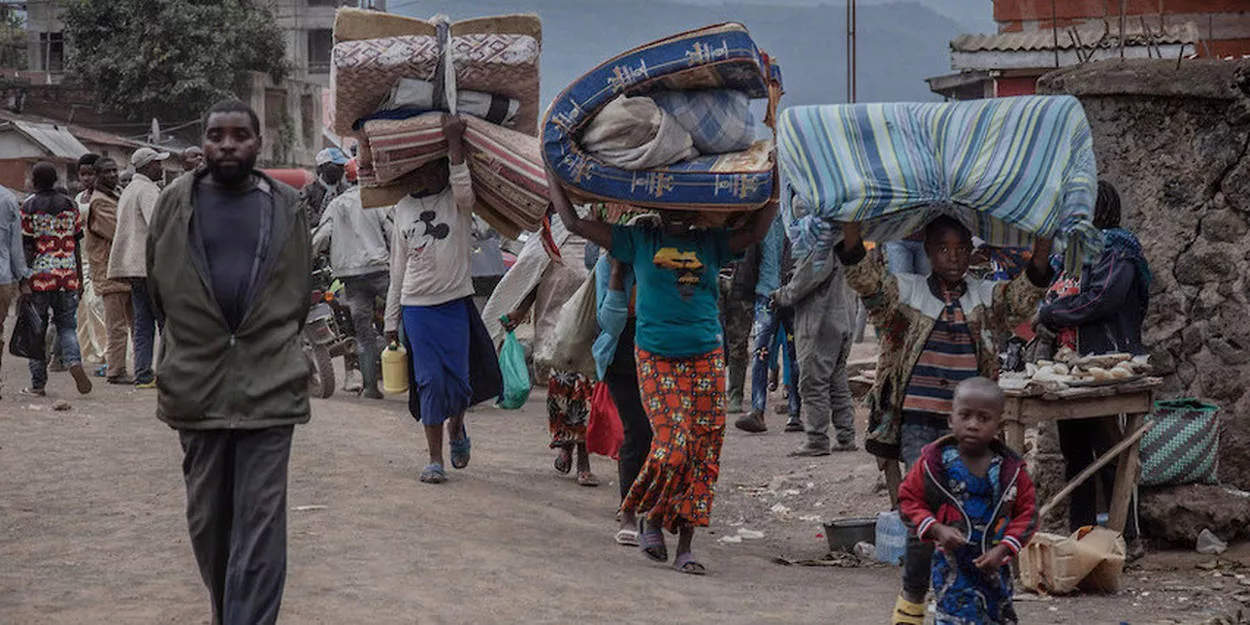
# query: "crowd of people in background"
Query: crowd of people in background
{"points": [[217, 266], [82, 262]]}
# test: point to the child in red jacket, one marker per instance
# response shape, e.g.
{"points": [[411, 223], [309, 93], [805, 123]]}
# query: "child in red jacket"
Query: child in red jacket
{"points": [[972, 496]]}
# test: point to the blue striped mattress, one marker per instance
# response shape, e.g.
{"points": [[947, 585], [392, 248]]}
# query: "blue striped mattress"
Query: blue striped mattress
{"points": [[722, 56], [1008, 168]]}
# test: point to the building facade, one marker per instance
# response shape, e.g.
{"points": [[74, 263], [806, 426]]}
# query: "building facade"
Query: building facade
{"points": [[308, 25], [291, 111], [1038, 36], [309, 28]]}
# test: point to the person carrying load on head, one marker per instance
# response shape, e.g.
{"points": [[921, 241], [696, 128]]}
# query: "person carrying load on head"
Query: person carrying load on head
{"points": [[935, 332], [431, 294], [679, 346]]}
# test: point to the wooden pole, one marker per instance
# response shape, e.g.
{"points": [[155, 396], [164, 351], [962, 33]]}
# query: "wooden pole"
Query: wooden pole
{"points": [[1089, 471]]}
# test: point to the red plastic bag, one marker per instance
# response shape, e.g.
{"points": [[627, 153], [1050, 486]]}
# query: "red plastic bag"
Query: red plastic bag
{"points": [[604, 433]]}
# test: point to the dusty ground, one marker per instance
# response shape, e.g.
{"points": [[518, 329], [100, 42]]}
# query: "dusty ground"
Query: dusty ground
{"points": [[91, 530]]}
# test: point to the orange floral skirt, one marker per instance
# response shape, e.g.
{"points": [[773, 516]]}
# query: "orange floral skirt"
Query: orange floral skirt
{"points": [[685, 401]]}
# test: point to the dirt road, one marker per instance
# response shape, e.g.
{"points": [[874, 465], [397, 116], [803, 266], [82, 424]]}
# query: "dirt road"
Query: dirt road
{"points": [[91, 529]]}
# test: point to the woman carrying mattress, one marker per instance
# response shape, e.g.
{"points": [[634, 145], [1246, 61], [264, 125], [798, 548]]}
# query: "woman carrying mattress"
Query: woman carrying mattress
{"points": [[681, 363], [431, 295]]}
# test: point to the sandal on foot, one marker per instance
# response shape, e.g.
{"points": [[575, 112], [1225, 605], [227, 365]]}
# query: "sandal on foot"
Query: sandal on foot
{"points": [[651, 542], [586, 478], [461, 449], [627, 538], [908, 613], [433, 474], [685, 563], [564, 461]]}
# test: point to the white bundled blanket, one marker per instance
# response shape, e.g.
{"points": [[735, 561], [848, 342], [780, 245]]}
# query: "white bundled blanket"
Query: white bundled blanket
{"points": [[635, 133]]}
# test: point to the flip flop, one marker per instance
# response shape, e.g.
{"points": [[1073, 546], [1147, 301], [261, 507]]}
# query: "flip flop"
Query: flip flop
{"points": [[433, 474], [651, 542], [627, 538], [586, 478], [564, 461], [685, 563], [461, 449]]}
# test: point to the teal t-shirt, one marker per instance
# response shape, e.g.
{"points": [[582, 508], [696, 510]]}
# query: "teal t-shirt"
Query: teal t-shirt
{"points": [[677, 308]]}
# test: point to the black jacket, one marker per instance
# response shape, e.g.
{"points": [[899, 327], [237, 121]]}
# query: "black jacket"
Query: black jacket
{"points": [[1108, 312]]}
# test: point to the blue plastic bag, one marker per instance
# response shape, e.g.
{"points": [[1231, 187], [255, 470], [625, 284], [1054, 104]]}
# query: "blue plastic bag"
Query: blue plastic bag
{"points": [[516, 376]]}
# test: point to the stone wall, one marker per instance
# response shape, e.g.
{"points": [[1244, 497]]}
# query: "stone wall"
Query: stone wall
{"points": [[1173, 139]]}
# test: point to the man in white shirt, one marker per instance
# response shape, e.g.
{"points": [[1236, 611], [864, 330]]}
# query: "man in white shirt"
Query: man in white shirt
{"points": [[358, 240], [91, 328], [127, 263]]}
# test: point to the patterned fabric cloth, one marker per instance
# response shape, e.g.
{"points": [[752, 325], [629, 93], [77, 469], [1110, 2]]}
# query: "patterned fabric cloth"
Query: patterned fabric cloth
{"points": [[1009, 168], [966, 595], [1121, 240], [685, 401], [51, 219], [568, 407], [719, 120], [362, 73], [949, 357], [1064, 286]]}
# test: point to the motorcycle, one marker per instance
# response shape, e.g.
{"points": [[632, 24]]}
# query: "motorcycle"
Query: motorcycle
{"points": [[327, 335]]}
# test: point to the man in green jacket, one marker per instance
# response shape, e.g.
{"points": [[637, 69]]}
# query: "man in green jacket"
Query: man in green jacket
{"points": [[232, 281]]}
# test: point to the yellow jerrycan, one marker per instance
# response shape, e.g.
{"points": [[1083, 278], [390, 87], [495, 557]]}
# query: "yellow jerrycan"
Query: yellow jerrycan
{"points": [[395, 369]]}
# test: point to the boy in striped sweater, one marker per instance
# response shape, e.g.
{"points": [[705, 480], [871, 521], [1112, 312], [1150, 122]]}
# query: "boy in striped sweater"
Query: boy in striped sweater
{"points": [[935, 331]]}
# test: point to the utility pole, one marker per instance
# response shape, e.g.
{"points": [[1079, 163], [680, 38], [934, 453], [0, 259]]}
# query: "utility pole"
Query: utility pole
{"points": [[851, 49]]}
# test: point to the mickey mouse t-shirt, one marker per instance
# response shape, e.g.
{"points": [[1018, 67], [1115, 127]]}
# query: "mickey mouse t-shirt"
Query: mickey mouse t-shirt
{"points": [[432, 248], [678, 314]]}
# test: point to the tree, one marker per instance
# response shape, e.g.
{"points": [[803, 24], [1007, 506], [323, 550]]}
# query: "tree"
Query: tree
{"points": [[170, 59]]}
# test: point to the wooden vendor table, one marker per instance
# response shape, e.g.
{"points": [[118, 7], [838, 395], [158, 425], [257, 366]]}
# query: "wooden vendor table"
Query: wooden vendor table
{"points": [[1134, 399]]}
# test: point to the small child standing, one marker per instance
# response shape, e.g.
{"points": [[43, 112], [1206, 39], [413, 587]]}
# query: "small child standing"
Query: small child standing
{"points": [[971, 496]]}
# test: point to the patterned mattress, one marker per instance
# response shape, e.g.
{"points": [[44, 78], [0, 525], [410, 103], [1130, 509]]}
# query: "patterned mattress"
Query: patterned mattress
{"points": [[372, 51], [506, 166], [722, 56]]}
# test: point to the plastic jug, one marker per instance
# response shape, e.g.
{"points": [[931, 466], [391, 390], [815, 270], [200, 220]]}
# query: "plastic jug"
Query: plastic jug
{"points": [[394, 369], [891, 538]]}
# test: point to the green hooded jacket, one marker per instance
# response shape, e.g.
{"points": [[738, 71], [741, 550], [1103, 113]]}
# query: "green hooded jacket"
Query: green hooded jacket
{"points": [[210, 378]]}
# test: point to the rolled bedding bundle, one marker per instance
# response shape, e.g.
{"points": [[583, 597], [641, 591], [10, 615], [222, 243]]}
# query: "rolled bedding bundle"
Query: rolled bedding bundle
{"points": [[506, 167], [374, 51], [387, 71], [667, 126], [1009, 168]]}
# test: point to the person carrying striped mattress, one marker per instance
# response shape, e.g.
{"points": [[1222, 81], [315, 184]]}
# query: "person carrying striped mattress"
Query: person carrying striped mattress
{"points": [[935, 331]]}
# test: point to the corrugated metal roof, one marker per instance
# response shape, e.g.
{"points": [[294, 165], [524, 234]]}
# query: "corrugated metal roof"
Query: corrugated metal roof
{"points": [[1089, 35], [57, 140]]}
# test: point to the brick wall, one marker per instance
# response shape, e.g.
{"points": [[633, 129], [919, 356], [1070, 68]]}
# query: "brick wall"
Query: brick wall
{"points": [[1223, 24], [1035, 10]]}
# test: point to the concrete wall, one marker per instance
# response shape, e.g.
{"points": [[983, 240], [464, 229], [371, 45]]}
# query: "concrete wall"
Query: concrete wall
{"points": [[1175, 143], [298, 18], [291, 119]]}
